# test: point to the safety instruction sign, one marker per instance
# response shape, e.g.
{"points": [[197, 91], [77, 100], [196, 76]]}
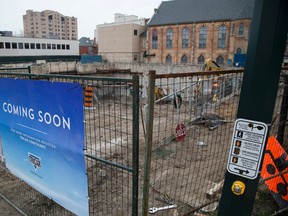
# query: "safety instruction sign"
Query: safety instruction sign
{"points": [[247, 146]]}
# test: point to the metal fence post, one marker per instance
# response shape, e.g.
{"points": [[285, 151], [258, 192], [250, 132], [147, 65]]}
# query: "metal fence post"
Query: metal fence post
{"points": [[148, 143], [260, 84], [135, 144]]}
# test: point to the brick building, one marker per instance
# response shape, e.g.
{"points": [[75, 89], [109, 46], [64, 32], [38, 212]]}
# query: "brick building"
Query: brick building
{"points": [[191, 31], [87, 46]]}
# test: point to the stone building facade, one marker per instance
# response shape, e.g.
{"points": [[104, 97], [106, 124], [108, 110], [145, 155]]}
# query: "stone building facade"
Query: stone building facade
{"points": [[194, 35]]}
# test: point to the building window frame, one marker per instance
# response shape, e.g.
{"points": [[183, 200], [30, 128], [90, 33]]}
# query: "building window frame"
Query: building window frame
{"points": [[7, 45], [220, 60], [241, 30], [202, 37], [238, 50], [168, 59], [222, 33], [185, 37], [154, 39], [169, 38], [201, 59], [184, 59]]}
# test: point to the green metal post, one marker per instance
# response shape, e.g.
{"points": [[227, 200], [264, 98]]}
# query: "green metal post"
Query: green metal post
{"points": [[259, 89], [135, 144], [148, 144]]}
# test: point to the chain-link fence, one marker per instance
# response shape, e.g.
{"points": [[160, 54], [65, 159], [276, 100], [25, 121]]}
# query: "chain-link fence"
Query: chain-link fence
{"points": [[189, 121], [111, 112], [191, 124]]}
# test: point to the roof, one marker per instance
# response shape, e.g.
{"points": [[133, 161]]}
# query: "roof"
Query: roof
{"points": [[85, 41], [190, 11]]}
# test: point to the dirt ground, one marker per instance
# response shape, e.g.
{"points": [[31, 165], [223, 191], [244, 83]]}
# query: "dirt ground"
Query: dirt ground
{"points": [[180, 171]]}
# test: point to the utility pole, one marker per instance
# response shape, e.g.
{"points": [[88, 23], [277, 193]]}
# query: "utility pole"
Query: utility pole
{"points": [[259, 89]]}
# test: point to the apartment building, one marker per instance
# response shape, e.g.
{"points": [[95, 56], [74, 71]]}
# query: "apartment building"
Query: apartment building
{"points": [[189, 32], [49, 24], [120, 41]]}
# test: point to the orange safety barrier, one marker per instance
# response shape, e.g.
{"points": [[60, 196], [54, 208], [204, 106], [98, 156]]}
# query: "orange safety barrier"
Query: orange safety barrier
{"points": [[88, 96], [275, 163]]}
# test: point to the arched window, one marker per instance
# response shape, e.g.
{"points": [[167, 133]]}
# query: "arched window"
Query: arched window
{"points": [[241, 30], [202, 37], [185, 36], [220, 60], [222, 36], [168, 59], [169, 37], [201, 59], [154, 39], [184, 59], [238, 50]]}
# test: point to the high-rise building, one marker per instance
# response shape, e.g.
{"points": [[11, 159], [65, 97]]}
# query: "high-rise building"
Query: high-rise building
{"points": [[49, 24]]}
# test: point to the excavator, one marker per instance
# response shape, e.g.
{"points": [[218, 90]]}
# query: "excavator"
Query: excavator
{"points": [[211, 65], [221, 85]]}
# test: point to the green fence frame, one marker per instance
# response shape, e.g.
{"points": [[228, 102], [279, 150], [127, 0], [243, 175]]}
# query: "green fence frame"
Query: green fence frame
{"points": [[132, 168]]}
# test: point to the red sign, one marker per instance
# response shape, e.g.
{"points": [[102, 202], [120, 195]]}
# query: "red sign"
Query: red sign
{"points": [[180, 132]]}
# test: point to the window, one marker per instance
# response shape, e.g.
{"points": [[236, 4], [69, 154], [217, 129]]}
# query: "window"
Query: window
{"points": [[7, 45], [241, 30], [53, 46], [222, 36], [169, 36], [135, 32], [14, 45], [58, 46], [184, 59], [38, 46], [43, 46], [67, 47], [154, 39], [32, 45], [202, 37], [48, 46], [1, 45], [63, 46], [238, 50], [201, 59], [27, 46], [220, 60], [20, 46], [185, 36], [168, 59]]}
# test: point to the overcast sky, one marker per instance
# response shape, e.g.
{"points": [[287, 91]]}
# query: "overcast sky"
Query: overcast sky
{"points": [[89, 12]]}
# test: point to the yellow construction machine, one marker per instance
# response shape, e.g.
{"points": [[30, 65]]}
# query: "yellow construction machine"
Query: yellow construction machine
{"points": [[211, 65]]}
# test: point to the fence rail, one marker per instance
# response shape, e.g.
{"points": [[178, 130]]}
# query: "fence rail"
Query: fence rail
{"points": [[183, 141], [188, 138], [111, 149]]}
